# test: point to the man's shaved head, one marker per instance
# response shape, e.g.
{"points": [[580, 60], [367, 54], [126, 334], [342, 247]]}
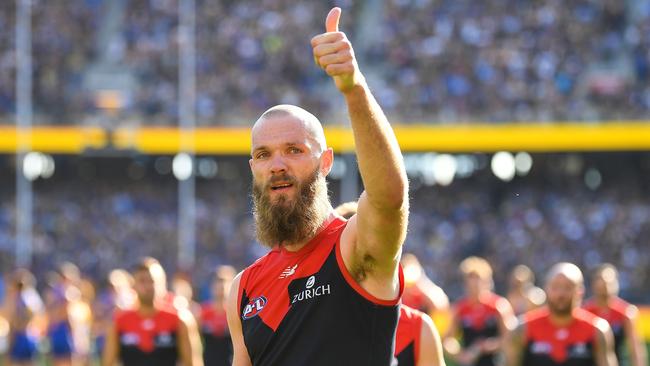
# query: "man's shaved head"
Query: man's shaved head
{"points": [[310, 123], [568, 270], [564, 288]]}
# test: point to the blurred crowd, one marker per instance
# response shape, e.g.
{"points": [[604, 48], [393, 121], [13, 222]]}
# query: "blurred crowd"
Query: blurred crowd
{"points": [[63, 47], [510, 60], [442, 61]]}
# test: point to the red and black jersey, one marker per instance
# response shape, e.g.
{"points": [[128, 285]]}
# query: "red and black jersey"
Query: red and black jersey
{"points": [[148, 340], [549, 345], [304, 308], [407, 340], [478, 321], [615, 313], [217, 346]]}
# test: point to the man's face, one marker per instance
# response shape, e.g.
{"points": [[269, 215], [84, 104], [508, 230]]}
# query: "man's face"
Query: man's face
{"points": [[220, 287], [473, 284], [289, 189], [144, 286], [563, 295], [284, 156]]}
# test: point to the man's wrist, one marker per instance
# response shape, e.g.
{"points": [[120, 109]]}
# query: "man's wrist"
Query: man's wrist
{"points": [[358, 89]]}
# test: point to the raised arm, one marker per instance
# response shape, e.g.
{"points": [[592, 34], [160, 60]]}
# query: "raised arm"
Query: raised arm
{"points": [[240, 353], [373, 238], [604, 345]]}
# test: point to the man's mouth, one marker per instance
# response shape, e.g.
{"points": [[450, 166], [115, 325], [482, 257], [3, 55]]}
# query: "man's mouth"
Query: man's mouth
{"points": [[281, 186]]}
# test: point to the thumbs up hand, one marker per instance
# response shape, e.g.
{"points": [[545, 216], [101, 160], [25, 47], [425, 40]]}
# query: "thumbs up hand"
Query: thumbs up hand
{"points": [[333, 53]]}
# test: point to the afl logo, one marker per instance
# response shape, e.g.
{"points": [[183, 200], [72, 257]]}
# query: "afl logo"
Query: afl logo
{"points": [[310, 282], [254, 307]]}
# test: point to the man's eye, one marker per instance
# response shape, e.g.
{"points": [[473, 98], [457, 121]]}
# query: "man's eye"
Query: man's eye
{"points": [[295, 150], [262, 155]]}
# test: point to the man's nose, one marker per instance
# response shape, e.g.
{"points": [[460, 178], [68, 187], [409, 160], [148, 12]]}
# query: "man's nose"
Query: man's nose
{"points": [[277, 164]]}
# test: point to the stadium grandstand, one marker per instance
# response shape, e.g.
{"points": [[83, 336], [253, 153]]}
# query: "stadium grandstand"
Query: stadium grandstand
{"points": [[525, 129]]}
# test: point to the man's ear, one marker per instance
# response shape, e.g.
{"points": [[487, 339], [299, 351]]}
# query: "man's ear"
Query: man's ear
{"points": [[326, 161]]}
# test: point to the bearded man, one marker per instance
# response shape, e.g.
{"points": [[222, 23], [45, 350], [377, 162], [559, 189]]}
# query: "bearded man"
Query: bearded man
{"points": [[561, 333], [328, 291]]}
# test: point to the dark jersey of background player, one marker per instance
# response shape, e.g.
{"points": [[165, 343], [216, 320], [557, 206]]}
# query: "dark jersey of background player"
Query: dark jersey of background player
{"points": [[417, 342], [620, 315], [148, 339], [561, 333], [481, 319], [217, 346], [546, 343], [153, 333]]}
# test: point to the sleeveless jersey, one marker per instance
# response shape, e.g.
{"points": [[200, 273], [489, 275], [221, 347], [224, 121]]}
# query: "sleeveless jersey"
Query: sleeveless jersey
{"points": [[148, 340], [304, 308], [615, 313], [217, 346], [407, 340], [479, 321], [549, 345]]}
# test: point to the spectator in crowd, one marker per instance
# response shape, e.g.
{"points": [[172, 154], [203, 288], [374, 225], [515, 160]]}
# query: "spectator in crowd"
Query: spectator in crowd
{"points": [[451, 62]]}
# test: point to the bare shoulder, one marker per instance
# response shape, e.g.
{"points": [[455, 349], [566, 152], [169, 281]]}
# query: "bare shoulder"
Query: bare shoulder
{"points": [[631, 312], [186, 317], [603, 330], [429, 330], [503, 305]]}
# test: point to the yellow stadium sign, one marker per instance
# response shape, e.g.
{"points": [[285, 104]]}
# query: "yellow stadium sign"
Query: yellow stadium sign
{"points": [[54, 139], [538, 137]]}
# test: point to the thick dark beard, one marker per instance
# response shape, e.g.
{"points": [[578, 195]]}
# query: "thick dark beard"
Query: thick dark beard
{"points": [[285, 222]]}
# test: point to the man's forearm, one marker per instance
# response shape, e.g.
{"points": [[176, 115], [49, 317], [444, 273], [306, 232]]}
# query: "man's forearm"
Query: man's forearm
{"points": [[380, 160]]}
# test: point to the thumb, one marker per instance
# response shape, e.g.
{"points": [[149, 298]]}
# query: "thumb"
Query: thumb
{"points": [[332, 21]]}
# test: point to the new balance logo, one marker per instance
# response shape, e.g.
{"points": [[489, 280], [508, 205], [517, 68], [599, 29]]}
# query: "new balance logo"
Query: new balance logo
{"points": [[289, 271]]}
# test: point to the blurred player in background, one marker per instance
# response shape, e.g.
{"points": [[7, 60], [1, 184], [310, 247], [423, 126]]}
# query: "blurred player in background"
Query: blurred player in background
{"points": [[24, 310], [481, 319], [328, 292], [118, 295], [419, 291], [184, 295], [620, 315], [217, 345], [417, 341], [152, 333], [60, 294], [562, 333], [523, 295]]}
